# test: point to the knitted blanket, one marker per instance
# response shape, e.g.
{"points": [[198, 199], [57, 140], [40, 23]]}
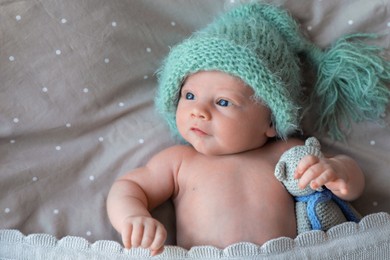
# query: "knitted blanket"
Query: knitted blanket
{"points": [[369, 239]]}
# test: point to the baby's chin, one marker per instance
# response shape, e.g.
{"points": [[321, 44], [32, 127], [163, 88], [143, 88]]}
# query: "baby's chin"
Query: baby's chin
{"points": [[218, 151], [209, 150]]}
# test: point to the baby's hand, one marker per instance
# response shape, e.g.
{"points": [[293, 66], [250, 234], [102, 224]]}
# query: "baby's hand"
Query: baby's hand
{"points": [[317, 172], [145, 232]]}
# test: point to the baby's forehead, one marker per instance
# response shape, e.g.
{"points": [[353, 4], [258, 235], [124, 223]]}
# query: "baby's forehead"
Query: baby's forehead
{"points": [[221, 77]]}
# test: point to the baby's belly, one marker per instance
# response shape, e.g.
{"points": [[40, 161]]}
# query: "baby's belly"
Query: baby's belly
{"points": [[222, 222]]}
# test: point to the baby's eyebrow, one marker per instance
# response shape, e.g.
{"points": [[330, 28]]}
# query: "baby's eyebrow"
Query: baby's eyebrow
{"points": [[184, 85], [181, 90], [235, 92]]}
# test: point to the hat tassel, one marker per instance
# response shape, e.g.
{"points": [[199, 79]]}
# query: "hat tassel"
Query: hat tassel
{"points": [[351, 85]]}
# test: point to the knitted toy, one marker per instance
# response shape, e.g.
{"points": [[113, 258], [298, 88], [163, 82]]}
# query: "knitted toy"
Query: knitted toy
{"points": [[315, 209], [262, 45]]}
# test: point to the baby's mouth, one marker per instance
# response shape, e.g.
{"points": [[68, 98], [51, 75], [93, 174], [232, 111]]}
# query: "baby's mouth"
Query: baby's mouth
{"points": [[198, 131]]}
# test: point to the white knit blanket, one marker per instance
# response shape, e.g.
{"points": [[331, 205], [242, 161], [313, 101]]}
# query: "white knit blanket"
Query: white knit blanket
{"points": [[369, 239]]}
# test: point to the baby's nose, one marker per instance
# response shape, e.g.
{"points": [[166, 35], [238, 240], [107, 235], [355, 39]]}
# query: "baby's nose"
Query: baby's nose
{"points": [[200, 112]]}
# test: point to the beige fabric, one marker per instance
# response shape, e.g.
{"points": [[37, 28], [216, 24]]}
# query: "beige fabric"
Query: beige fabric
{"points": [[76, 102]]}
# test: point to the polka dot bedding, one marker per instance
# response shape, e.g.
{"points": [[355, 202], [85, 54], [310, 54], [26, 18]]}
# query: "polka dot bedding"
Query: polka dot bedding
{"points": [[77, 82]]}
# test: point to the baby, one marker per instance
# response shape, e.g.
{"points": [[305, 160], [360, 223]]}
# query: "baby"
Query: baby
{"points": [[231, 92], [222, 186]]}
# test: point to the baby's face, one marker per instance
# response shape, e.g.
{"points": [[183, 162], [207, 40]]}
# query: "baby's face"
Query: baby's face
{"points": [[217, 115]]}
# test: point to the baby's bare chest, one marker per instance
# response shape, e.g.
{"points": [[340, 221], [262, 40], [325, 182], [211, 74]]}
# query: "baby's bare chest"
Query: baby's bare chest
{"points": [[231, 202], [227, 181]]}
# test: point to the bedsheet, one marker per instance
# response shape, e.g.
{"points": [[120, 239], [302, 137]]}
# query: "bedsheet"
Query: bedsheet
{"points": [[77, 81]]}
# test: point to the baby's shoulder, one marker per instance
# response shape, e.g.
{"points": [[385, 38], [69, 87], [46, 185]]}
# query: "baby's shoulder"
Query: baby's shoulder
{"points": [[280, 146], [169, 159], [179, 149], [174, 153]]}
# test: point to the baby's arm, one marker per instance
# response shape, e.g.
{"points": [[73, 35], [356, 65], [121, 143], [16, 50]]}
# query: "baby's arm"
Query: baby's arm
{"points": [[340, 174], [127, 206], [133, 195]]}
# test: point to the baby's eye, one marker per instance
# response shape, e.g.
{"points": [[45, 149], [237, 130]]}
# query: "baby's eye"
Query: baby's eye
{"points": [[223, 103], [190, 96]]}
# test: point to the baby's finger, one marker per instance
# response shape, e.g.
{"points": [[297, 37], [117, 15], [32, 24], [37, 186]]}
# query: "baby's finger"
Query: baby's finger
{"points": [[148, 236], [330, 180], [325, 177], [159, 239], [310, 175], [304, 164], [136, 236], [156, 252], [126, 237]]}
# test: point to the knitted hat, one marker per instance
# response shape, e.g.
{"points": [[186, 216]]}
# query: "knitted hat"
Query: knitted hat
{"points": [[261, 44]]}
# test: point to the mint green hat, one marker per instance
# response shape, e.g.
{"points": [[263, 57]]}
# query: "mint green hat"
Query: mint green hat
{"points": [[262, 45]]}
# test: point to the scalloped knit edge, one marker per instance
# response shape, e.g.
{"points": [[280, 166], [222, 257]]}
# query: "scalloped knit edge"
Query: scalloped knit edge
{"points": [[377, 222]]}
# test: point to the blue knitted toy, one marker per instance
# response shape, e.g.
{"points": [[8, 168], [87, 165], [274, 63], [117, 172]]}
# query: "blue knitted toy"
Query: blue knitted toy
{"points": [[315, 209], [315, 199]]}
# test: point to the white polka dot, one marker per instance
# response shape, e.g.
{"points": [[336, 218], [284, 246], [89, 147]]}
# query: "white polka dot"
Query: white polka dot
{"points": [[101, 139], [91, 178], [18, 18], [309, 28], [372, 142], [388, 24], [58, 52], [141, 141], [350, 22], [85, 90], [56, 211], [114, 24], [121, 104], [16, 120], [44, 89], [35, 178], [173, 23], [106, 60], [88, 233], [58, 148], [7, 210], [375, 203], [146, 77], [11, 58], [68, 125], [12, 141], [148, 49], [63, 20]]}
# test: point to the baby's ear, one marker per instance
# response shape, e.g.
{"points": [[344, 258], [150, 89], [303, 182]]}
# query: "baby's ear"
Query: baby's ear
{"points": [[280, 171], [271, 131]]}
